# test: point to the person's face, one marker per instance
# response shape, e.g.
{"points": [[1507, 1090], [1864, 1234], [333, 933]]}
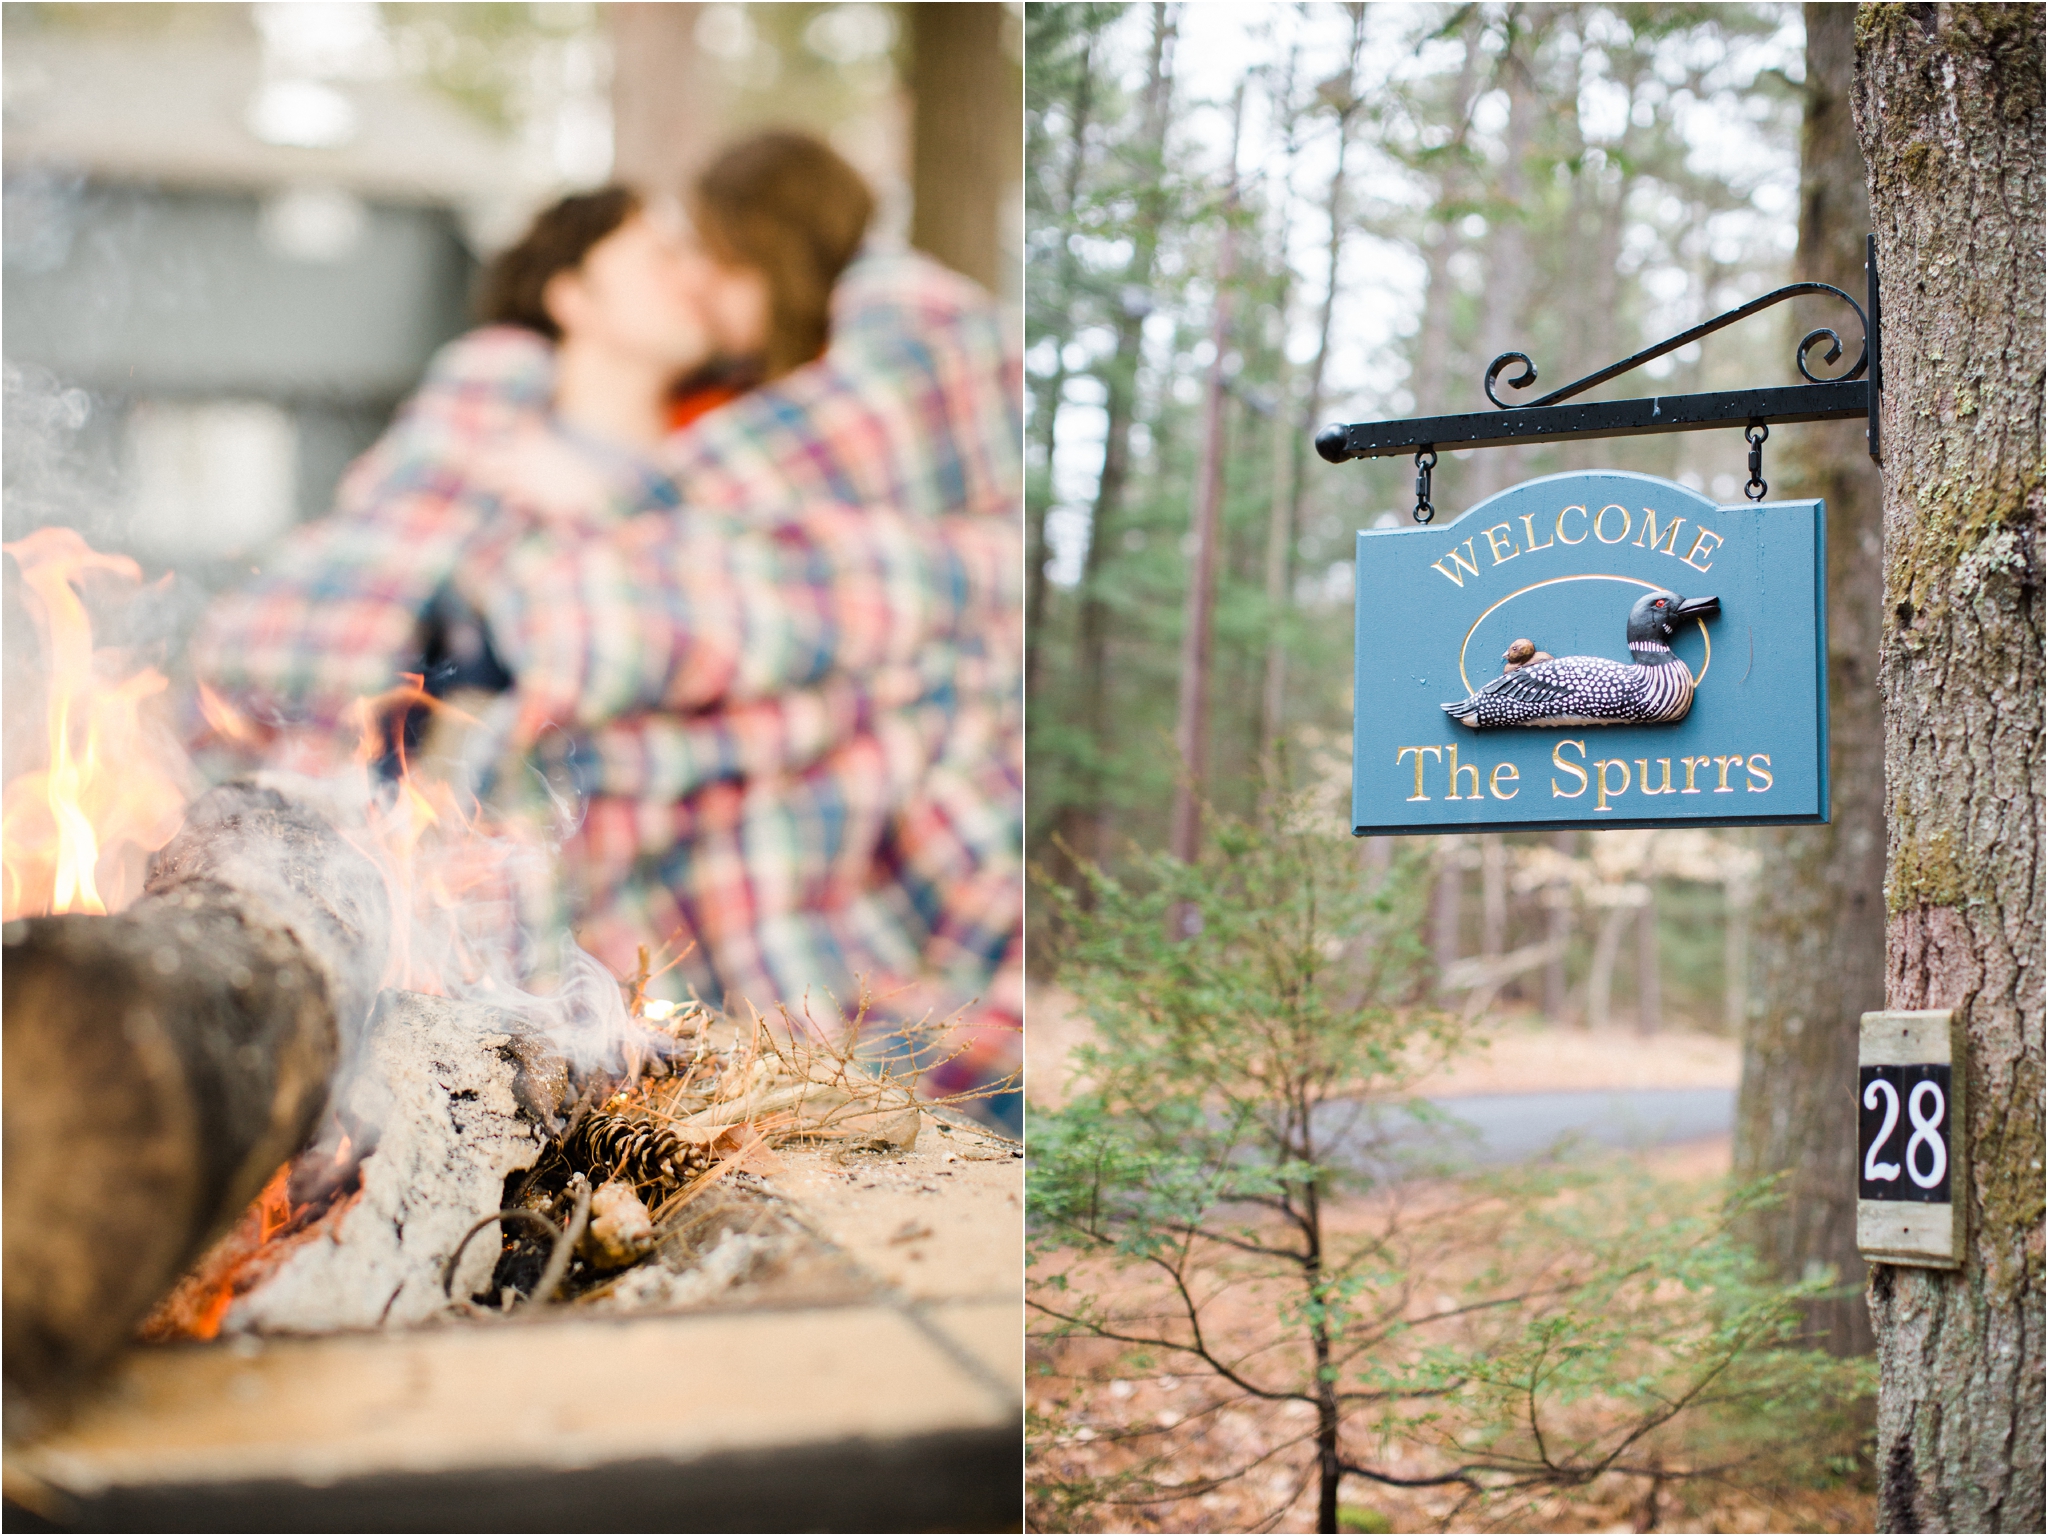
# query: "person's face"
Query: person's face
{"points": [[633, 294], [732, 298]]}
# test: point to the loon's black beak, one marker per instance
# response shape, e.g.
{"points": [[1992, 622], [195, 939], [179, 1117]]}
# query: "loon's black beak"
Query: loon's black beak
{"points": [[1696, 607]]}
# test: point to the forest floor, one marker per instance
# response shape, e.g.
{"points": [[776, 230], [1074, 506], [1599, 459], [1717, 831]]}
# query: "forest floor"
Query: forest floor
{"points": [[1097, 1421]]}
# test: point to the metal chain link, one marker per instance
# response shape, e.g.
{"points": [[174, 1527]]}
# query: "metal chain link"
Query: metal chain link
{"points": [[1757, 433], [1425, 461]]}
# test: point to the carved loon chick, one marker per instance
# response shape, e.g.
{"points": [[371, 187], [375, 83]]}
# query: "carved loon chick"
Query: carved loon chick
{"points": [[1522, 653], [1654, 689]]}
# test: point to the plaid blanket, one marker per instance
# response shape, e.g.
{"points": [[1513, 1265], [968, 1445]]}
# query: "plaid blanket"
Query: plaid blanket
{"points": [[917, 404], [778, 666]]}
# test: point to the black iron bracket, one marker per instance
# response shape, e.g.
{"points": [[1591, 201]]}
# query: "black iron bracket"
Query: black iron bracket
{"points": [[1548, 419]]}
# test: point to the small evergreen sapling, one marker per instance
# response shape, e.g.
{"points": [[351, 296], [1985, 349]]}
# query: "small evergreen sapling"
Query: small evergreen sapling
{"points": [[1234, 1192]]}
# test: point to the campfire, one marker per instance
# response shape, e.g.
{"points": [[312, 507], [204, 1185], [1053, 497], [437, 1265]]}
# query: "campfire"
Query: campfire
{"points": [[591, 1183], [113, 784], [281, 1039]]}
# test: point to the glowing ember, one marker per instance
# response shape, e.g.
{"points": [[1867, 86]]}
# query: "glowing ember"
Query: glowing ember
{"points": [[243, 1259], [75, 833]]}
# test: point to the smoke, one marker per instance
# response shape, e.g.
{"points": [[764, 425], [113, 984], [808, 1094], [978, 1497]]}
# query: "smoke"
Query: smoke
{"points": [[471, 910], [46, 476], [473, 913]]}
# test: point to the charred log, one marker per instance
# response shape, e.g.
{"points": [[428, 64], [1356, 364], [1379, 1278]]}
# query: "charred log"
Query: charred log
{"points": [[160, 1064]]}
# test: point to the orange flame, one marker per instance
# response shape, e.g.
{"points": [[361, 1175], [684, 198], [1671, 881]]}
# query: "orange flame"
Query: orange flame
{"points": [[253, 1248], [75, 833], [228, 722], [457, 878]]}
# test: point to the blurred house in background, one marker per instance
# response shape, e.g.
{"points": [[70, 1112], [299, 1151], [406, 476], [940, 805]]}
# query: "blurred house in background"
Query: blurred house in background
{"points": [[242, 230], [234, 234]]}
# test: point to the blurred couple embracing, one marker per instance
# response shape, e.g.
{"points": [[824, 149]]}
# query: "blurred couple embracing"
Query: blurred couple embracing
{"points": [[710, 533]]}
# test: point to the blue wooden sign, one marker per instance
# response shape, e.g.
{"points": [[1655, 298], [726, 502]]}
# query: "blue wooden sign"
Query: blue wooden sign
{"points": [[1600, 649]]}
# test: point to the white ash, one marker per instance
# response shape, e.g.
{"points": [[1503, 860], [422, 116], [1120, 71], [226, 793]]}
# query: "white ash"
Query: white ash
{"points": [[736, 1258], [456, 1092]]}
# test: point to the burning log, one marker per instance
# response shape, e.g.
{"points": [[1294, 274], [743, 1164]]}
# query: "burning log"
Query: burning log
{"points": [[161, 1063], [450, 1098]]}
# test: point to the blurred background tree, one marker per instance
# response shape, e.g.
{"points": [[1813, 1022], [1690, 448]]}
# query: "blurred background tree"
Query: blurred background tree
{"points": [[1819, 916]]}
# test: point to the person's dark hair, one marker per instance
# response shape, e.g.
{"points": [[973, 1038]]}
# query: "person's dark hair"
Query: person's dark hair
{"points": [[514, 289], [786, 205]]}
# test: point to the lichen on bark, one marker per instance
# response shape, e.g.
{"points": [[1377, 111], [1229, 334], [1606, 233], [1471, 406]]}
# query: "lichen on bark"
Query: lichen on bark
{"points": [[1949, 113]]}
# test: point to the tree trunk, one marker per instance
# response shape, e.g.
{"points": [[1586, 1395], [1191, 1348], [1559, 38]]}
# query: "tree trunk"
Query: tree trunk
{"points": [[1558, 932], [1329, 1470], [1081, 106], [1440, 296], [1737, 895], [1493, 895], [1600, 975], [1192, 731], [1377, 856], [1286, 463], [1949, 112], [1279, 543], [668, 109], [1341, 92], [1507, 267], [1817, 930], [1649, 980], [1084, 815], [1448, 902], [966, 156]]}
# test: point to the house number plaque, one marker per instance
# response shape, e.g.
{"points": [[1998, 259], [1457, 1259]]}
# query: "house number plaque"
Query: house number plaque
{"points": [[1910, 1146]]}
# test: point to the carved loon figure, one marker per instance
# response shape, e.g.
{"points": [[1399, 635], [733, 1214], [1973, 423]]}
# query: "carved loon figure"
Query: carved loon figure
{"points": [[1654, 689]]}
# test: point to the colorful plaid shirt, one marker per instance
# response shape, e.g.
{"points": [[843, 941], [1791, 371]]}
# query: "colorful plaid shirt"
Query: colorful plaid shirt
{"points": [[779, 666]]}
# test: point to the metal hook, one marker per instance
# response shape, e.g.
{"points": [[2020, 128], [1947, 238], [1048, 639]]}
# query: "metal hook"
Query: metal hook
{"points": [[1757, 433], [1425, 461]]}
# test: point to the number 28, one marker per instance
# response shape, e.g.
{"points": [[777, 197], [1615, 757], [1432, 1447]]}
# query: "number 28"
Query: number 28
{"points": [[1926, 1125]]}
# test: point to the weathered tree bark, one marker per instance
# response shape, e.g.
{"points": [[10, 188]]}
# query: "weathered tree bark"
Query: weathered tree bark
{"points": [[966, 157], [1817, 930], [1949, 113], [162, 1063]]}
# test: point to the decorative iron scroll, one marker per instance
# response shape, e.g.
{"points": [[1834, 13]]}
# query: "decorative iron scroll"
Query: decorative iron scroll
{"points": [[1807, 343], [1558, 417]]}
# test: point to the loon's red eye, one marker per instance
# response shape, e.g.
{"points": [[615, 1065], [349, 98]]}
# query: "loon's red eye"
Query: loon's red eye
{"points": [[1660, 602]]}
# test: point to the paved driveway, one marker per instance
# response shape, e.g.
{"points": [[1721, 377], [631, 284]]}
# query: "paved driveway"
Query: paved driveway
{"points": [[1498, 1128]]}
